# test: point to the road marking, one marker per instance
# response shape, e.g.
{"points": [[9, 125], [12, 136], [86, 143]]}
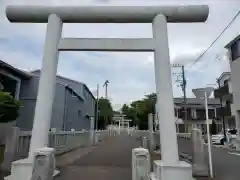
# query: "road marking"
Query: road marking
{"points": [[237, 154], [215, 146]]}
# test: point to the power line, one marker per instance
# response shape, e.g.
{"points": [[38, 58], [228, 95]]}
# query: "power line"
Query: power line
{"points": [[206, 65], [229, 24]]}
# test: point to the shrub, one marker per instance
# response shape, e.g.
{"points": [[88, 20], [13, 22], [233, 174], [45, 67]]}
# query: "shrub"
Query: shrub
{"points": [[9, 107]]}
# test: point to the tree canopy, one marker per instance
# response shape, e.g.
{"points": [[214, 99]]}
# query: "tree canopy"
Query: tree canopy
{"points": [[138, 110], [105, 113]]}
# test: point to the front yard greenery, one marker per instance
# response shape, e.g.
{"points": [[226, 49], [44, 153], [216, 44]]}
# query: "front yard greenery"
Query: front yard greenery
{"points": [[9, 107]]}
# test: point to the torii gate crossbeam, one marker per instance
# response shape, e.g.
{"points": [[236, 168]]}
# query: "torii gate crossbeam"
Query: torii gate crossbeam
{"points": [[158, 16], [107, 14]]}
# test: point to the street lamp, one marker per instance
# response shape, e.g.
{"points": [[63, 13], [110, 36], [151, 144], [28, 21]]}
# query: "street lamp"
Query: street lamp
{"points": [[204, 93]]}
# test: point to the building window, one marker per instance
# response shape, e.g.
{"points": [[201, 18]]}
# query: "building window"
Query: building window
{"points": [[235, 50]]}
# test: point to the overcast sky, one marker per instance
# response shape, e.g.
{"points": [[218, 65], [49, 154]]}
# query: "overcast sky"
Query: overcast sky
{"points": [[131, 75]]}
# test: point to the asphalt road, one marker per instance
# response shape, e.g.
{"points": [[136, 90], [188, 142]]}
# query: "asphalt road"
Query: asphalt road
{"points": [[111, 160], [226, 164]]}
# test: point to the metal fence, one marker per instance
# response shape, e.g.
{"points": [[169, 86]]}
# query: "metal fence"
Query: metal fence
{"points": [[184, 140], [140, 133], [60, 141], [63, 141], [23, 144]]}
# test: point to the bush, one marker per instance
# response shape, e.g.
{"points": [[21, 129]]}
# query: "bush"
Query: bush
{"points": [[9, 107]]}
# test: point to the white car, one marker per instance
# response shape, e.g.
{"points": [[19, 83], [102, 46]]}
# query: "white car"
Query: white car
{"points": [[219, 138]]}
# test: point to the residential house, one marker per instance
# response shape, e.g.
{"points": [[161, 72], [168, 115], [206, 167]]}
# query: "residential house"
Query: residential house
{"points": [[233, 48], [10, 81], [73, 104], [193, 113], [224, 91]]}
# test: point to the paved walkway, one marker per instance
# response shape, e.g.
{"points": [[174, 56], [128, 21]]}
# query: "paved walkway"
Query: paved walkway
{"points": [[110, 160]]}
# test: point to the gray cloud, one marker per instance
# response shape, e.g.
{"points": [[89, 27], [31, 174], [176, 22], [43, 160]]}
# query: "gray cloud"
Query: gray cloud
{"points": [[131, 74]]}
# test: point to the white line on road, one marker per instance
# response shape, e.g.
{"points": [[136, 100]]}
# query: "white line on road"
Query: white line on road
{"points": [[237, 154], [216, 146]]}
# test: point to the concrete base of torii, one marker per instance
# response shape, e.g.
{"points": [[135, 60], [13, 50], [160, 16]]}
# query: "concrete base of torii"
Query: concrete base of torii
{"points": [[179, 171], [22, 170]]}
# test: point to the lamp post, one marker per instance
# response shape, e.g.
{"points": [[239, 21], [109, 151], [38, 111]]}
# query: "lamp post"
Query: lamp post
{"points": [[204, 93], [97, 105]]}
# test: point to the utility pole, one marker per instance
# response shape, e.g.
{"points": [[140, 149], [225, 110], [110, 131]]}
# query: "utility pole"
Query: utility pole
{"points": [[222, 111], [97, 110], [106, 97], [183, 84], [106, 88]]}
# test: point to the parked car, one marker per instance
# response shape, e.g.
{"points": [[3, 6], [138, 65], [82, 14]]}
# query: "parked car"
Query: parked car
{"points": [[219, 138]]}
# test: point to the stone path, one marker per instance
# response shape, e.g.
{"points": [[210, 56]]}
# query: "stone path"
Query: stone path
{"points": [[109, 161]]}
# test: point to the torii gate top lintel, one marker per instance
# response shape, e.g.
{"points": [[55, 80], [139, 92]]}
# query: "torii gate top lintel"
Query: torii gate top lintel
{"points": [[107, 14]]}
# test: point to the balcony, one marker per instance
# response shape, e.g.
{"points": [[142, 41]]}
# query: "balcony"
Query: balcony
{"points": [[222, 91], [200, 114]]}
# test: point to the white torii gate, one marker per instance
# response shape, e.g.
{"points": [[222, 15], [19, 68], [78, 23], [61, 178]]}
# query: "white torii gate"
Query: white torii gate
{"points": [[157, 15]]}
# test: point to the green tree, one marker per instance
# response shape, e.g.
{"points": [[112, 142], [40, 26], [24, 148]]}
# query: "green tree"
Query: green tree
{"points": [[105, 113], [139, 110], [125, 109], [130, 113], [9, 107]]}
